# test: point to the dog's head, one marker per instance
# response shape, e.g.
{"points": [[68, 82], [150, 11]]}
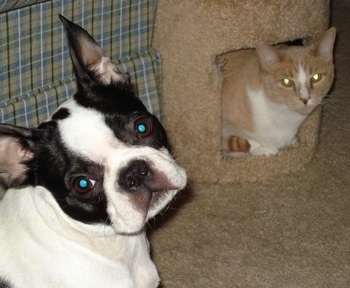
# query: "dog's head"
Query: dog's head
{"points": [[102, 155]]}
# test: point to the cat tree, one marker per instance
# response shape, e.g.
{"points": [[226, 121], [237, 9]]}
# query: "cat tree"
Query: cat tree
{"points": [[189, 35]]}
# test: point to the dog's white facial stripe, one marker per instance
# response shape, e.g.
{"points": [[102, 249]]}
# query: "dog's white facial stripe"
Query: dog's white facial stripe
{"points": [[85, 133]]}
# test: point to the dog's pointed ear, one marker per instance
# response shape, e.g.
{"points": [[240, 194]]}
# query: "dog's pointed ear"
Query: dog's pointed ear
{"points": [[16, 153], [90, 65]]}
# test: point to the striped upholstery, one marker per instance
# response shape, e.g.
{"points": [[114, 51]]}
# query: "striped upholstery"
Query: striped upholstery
{"points": [[6, 5], [36, 74]]}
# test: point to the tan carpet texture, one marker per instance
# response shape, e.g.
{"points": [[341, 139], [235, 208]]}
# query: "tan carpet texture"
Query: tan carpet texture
{"points": [[291, 230]]}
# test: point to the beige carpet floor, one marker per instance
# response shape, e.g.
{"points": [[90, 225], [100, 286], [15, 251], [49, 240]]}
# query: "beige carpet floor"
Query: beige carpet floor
{"points": [[290, 231]]}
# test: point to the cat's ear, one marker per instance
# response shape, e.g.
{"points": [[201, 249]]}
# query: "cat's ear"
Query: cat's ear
{"points": [[324, 47], [268, 55]]}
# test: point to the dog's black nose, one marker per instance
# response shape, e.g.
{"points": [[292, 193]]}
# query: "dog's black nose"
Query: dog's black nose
{"points": [[136, 175]]}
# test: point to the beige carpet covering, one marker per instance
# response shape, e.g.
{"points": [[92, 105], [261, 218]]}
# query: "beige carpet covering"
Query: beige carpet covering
{"points": [[289, 231]]}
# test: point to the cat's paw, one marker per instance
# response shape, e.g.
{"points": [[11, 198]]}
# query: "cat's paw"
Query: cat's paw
{"points": [[256, 148], [265, 151], [295, 140]]}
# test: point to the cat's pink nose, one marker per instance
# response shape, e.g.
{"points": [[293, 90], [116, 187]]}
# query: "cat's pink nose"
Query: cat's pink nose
{"points": [[304, 95], [304, 100]]}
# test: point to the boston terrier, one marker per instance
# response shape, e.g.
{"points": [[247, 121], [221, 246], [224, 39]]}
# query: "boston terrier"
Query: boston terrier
{"points": [[84, 183]]}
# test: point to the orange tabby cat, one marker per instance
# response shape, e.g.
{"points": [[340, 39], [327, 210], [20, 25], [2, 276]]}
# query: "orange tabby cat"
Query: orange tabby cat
{"points": [[269, 91]]}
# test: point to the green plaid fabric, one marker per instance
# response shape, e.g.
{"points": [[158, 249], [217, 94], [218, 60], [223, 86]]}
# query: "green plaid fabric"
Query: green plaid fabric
{"points": [[36, 74], [6, 5]]}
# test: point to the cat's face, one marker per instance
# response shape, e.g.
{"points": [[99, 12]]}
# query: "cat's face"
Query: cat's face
{"points": [[299, 77]]}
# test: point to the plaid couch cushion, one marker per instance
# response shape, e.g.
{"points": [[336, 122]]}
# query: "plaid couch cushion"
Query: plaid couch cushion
{"points": [[7, 5], [36, 74]]}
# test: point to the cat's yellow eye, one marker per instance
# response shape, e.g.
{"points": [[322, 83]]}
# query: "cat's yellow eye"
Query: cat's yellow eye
{"points": [[316, 77], [287, 82]]}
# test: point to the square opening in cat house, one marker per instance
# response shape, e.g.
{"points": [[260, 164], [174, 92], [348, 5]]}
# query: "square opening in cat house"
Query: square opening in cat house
{"points": [[269, 91]]}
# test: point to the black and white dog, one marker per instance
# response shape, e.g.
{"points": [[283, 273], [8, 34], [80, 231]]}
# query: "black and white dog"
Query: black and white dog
{"points": [[84, 183]]}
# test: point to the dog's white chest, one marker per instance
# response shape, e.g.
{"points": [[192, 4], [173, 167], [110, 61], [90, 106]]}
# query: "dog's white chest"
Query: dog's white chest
{"points": [[66, 255]]}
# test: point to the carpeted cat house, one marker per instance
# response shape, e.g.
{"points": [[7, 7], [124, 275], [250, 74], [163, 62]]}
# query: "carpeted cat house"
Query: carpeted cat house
{"points": [[189, 35]]}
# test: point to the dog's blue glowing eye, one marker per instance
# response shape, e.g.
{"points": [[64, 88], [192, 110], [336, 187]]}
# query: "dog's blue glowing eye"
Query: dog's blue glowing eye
{"points": [[81, 184], [143, 127]]}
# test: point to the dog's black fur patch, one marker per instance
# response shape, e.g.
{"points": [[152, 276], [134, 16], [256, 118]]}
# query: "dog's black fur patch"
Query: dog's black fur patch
{"points": [[5, 284], [62, 164], [60, 114]]}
